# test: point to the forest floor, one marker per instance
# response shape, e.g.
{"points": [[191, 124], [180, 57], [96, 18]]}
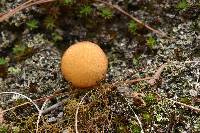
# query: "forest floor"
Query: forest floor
{"points": [[33, 40]]}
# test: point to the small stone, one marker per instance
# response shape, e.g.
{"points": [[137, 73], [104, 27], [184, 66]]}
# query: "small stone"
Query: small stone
{"points": [[60, 115], [52, 119]]}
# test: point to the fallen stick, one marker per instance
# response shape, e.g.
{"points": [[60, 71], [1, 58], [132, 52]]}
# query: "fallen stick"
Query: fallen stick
{"points": [[157, 74], [53, 107]]}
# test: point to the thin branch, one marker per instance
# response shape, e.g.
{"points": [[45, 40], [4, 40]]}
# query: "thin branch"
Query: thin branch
{"points": [[185, 105], [157, 74], [11, 12], [53, 107], [27, 4], [150, 80], [185, 62], [134, 18], [131, 81]]}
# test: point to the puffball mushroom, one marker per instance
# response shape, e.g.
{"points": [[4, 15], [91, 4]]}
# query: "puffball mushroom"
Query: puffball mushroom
{"points": [[84, 64]]}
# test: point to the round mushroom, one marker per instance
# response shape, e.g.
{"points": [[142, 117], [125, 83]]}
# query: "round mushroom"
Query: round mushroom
{"points": [[84, 64]]}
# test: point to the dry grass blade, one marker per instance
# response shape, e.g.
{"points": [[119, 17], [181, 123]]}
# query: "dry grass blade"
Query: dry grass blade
{"points": [[37, 100], [29, 99], [40, 114], [76, 115], [139, 122]]}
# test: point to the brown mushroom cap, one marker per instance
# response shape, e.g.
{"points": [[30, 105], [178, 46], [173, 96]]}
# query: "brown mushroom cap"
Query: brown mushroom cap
{"points": [[84, 64]]}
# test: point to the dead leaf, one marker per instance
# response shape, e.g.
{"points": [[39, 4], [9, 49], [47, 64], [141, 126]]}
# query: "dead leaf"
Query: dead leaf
{"points": [[138, 99]]}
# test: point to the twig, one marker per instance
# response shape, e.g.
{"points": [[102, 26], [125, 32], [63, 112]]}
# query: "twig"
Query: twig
{"points": [[150, 80], [157, 74], [185, 62], [52, 107], [137, 80], [21, 7], [5, 16], [185, 105], [134, 18]]}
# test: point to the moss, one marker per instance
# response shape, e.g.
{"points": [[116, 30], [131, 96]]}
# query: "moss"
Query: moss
{"points": [[3, 67], [3, 128], [56, 37], [32, 24], [19, 100], [86, 10], [106, 13], [49, 23], [136, 62], [185, 100], [3, 61], [121, 129], [135, 128], [150, 98], [68, 2], [151, 42], [132, 26], [147, 117], [182, 5], [19, 50], [71, 106], [16, 129], [94, 113], [14, 70]]}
